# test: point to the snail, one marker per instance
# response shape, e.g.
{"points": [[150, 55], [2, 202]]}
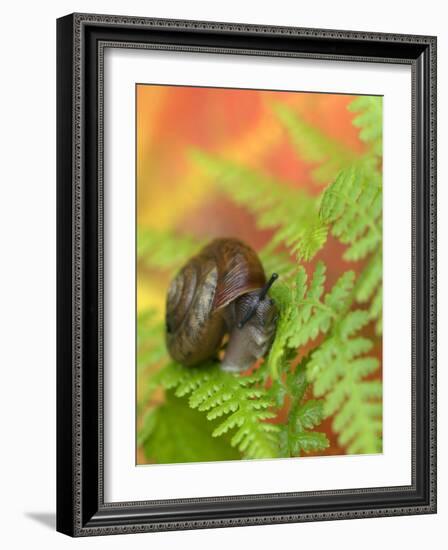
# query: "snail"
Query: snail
{"points": [[222, 290]]}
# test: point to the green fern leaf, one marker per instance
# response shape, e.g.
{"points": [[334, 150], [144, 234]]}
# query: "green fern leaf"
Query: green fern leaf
{"points": [[279, 354], [337, 369], [308, 442], [298, 435], [310, 414], [369, 289], [315, 316], [303, 314], [352, 204], [370, 278]]}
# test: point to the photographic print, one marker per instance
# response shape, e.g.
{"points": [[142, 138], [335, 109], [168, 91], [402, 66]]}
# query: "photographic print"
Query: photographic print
{"points": [[259, 274], [246, 318]]}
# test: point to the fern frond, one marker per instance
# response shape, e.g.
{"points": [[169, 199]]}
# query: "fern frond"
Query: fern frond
{"points": [[304, 237], [370, 278], [369, 288], [241, 404], [369, 120], [303, 314], [315, 315], [294, 213], [310, 414], [314, 146], [353, 205], [337, 369], [298, 434], [279, 354]]}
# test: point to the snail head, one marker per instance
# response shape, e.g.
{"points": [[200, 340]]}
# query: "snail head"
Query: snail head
{"points": [[256, 322], [259, 304]]}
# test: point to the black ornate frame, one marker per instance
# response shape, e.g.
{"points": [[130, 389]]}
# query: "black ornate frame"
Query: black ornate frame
{"points": [[81, 39]]}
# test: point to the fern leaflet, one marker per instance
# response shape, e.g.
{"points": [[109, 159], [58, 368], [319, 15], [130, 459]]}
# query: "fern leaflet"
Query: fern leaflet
{"points": [[298, 435], [304, 314], [353, 205], [337, 369]]}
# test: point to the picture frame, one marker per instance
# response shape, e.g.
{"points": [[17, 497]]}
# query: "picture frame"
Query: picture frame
{"points": [[81, 506]]}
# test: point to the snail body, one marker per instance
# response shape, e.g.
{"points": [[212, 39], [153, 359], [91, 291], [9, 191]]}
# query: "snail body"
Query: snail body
{"points": [[222, 290]]}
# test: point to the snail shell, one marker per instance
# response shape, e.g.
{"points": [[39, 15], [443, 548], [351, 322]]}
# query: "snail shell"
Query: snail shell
{"points": [[216, 293]]}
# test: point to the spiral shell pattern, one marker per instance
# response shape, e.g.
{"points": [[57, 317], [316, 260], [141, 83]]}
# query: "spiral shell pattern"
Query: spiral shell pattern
{"points": [[194, 333], [195, 322]]}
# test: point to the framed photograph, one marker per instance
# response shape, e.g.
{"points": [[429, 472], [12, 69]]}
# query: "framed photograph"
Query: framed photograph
{"points": [[246, 274]]}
